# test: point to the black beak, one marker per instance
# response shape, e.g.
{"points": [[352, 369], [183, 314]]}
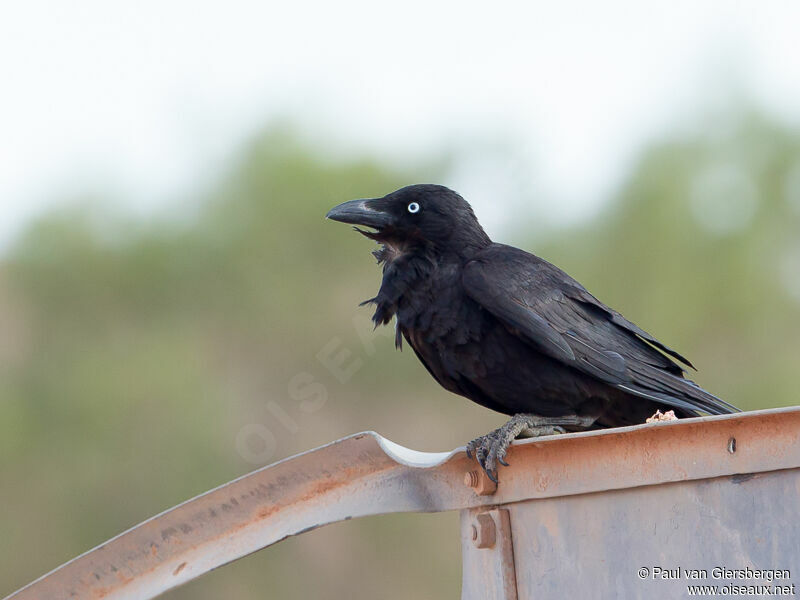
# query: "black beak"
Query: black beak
{"points": [[361, 212]]}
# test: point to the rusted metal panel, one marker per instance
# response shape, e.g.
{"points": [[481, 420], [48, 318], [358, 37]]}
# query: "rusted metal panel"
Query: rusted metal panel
{"points": [[366, 475], [655, 541]]}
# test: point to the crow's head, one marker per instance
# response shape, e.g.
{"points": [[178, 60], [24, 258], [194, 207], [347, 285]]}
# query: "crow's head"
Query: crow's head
{"points": [[418, 217]]}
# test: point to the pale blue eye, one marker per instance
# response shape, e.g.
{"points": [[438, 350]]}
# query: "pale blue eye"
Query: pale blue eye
{"points": [[413, 208]]}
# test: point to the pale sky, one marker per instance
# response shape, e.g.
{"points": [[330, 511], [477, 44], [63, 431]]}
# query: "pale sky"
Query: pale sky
{"points": [[150, 99]]}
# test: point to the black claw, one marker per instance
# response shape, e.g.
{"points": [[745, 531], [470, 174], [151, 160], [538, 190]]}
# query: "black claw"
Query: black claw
{"points": [[484, 451]]}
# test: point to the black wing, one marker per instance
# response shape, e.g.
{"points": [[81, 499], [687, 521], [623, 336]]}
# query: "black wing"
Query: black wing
{"points": [[554, 313]]}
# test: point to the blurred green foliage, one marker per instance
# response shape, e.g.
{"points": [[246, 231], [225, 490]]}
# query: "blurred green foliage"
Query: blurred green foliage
{"points": [[132, 353]]}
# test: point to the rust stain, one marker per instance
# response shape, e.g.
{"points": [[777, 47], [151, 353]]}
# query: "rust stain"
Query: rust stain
{"points": [[542, 482], [319, 488], [327, 485], [180, 568], [125, 579], [268, 511]]}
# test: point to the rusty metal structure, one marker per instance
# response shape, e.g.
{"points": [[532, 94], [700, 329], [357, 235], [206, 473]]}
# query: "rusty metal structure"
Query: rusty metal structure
{"points": [[595, 514]]}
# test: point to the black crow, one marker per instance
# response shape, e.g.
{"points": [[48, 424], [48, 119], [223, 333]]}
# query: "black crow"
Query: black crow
{"points": [[510, 331]]}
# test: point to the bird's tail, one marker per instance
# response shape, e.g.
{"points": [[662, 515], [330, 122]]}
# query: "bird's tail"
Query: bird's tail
{"points": [[676, 392]]}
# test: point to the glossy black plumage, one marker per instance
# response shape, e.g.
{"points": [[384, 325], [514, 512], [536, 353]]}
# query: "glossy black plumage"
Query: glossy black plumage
{"points": [[507, 329]]}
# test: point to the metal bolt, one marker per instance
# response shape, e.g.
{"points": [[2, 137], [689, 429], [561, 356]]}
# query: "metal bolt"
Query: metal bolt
{"points": [[479, 482], [484, 531]]}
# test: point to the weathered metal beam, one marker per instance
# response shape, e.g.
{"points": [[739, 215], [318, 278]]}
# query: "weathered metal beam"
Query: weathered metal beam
{"points": [[488, 565], [366, 474]]}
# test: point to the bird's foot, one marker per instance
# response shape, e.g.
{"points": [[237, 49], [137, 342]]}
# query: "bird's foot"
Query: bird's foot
{"points": [[490, 449]]}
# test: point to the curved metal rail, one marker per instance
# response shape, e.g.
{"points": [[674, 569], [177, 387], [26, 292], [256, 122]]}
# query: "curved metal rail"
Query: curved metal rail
{"points": [[366, 474]]}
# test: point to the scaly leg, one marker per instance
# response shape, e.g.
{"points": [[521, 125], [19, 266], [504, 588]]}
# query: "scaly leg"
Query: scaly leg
{"points": [[490, 449]]}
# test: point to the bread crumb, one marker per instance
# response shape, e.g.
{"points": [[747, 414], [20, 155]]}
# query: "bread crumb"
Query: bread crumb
{"points": [[665, 416]]}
